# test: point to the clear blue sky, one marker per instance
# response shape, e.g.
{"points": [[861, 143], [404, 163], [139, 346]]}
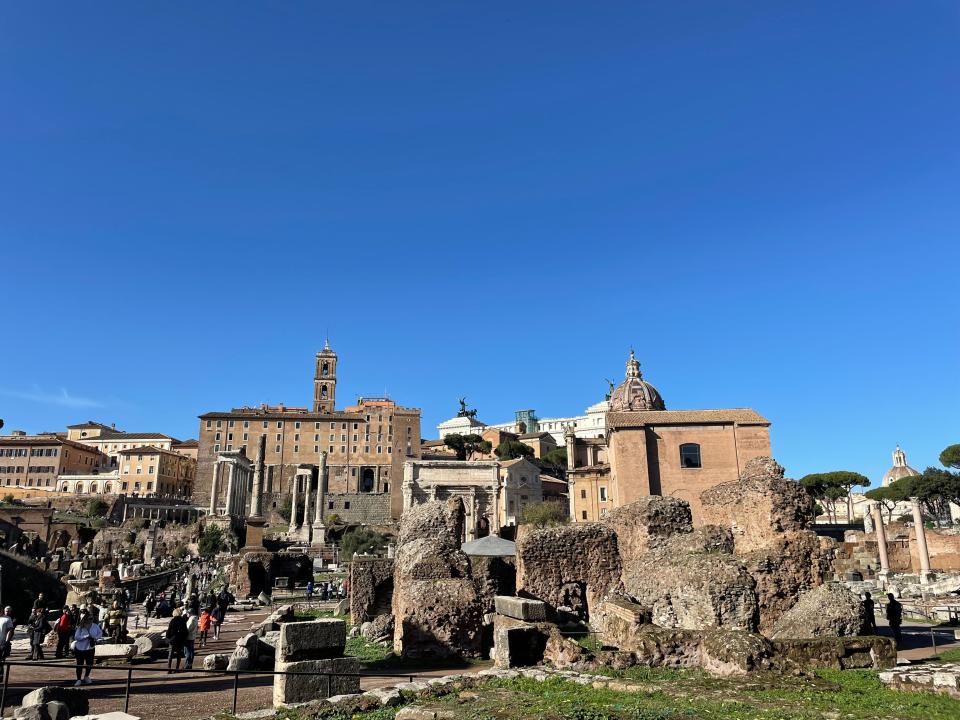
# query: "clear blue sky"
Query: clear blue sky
{"points": [[493, 200]]}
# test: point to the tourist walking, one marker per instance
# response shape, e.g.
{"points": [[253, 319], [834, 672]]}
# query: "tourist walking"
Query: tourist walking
{"points": [[894, 617], [150, 603], [64, 627], [39, 628], [7, 625], [203, 625], [309, 590], [189, 647], [216, 620], [868, 611], [84, 646], [115, 620], [176, 637]]}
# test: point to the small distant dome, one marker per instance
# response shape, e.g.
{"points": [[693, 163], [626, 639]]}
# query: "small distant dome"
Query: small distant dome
{"points": [[900, 468], [635, 393]]}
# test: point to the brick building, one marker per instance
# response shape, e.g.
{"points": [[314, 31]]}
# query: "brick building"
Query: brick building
{"points": [[649, 450], [365, 444]]}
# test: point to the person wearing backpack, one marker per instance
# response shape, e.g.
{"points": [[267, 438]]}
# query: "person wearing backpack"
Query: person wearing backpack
{"points": [[39, 628], [64, 628]]}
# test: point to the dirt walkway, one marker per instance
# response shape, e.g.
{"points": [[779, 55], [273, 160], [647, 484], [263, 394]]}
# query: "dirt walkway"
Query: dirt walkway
{"points": [[184, 695]]}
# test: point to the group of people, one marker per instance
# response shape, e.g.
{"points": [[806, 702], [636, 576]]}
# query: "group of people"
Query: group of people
{"points": [[327, 590], [79, 635], [193, 623]]}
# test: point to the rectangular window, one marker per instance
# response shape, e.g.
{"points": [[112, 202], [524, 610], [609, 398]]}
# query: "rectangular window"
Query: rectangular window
{"points": [[584, 515], [316, 426], [265, 424], [603, 494], [316, 448], [229, 436], [346, 505], [246, 436], [246, 424], [216, 448], [209, 423], [296, 448], [333, 426], [343, 449], [279, 423], [139, 470], [583, 494], [296, 425], [230, 424], [150, 470], [296, 437], [279, 437]]}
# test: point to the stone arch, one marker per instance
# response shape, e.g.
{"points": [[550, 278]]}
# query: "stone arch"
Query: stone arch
{"points": [[94, 487], [366, 480]]}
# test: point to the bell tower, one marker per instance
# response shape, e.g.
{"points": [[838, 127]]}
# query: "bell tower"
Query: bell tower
{"points": [[325, 380]]}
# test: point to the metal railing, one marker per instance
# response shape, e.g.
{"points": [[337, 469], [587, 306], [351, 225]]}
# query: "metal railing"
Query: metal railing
{"points": [[128, 682]]}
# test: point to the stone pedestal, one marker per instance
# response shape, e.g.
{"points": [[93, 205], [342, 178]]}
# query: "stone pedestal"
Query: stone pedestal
{"points": [[312, 650], [255, 528]]}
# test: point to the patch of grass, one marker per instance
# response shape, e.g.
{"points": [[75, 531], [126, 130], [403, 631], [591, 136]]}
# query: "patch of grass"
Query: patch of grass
{"points": [[949, 655]]}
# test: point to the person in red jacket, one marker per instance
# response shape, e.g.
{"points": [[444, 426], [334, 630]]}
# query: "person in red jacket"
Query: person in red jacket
{"points": [[64, 628]]}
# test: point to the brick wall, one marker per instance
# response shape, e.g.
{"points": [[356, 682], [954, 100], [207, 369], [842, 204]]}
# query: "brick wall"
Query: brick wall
{"points": [[359, 508]]}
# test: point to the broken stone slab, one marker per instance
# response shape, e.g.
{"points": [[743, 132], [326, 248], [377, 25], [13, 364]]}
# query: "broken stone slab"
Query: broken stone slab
{"points": [[322, 678], [74, 698], [521, 608], [216, 661], [121, 651], [116, 715], [47, 711], [312, 640], [388, 697], [148, 642], [425, 713]]}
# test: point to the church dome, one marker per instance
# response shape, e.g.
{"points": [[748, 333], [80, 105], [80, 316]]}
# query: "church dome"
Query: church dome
{"points": [[635, 393], [900, 468]]}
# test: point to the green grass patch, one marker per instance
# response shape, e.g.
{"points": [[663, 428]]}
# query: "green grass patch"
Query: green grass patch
{"points": [[949, 655]]}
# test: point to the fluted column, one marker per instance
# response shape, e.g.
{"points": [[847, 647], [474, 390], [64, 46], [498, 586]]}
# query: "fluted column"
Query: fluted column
{"points": [[921, 533], [214, 488]]}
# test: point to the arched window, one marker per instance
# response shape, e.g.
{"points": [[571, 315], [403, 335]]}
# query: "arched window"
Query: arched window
{"points": [[107, 488], [326, 369], [93, 487], [690, 455], [323, 392], [64, 488]]}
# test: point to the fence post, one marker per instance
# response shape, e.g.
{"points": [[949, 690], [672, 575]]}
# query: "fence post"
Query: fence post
{"points": [[933, 639], [126, 698], [236, 683], [6, 682]]}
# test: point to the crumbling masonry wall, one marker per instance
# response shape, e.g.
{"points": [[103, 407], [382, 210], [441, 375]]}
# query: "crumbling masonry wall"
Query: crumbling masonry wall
{"points": [[371, 588]]}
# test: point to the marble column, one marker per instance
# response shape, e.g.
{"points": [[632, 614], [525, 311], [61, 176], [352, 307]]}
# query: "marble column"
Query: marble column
{"points": [[921, 534], [881, 541], [214, 487], [293, 505], [306, 526], [231, 486], [319, 529]]}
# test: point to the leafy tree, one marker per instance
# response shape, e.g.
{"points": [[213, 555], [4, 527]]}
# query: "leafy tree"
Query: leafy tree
{"points": [[8, 499], [950, 457], [466, 445], [545, 514], [513, 449], [831, 487], [361, 540], [286, 507], [97, 508], [211, 542], [556, 458], [935, 488], [888, 497]]}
